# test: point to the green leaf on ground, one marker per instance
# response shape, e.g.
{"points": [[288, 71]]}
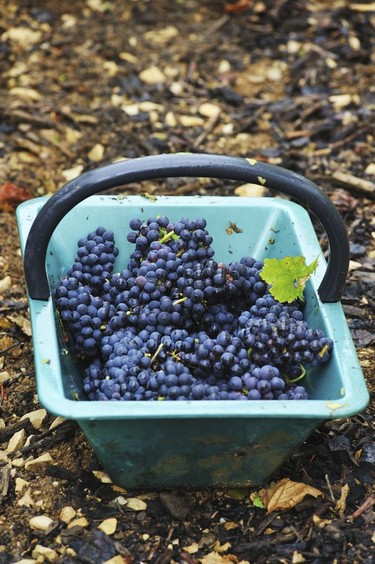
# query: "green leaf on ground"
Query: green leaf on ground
{"points": [[287, 277]]}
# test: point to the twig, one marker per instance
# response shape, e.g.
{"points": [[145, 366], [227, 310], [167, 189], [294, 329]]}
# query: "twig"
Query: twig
{"points": [[211, 124], [354, 182], [367, 504], [330, 488], [7, 432]]}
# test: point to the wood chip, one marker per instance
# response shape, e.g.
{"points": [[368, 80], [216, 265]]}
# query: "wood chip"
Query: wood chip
{"points": [[355, 182]]}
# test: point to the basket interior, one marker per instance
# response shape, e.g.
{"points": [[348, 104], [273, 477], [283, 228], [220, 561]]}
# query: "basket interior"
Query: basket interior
{"points": [[240, 227]]}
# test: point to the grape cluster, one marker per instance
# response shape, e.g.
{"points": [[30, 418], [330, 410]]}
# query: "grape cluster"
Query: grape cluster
{"points": [[177, 325]]}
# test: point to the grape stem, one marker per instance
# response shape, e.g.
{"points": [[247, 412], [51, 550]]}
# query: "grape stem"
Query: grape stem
{"points": [[157, 353], [300, 377], [166, 237]]}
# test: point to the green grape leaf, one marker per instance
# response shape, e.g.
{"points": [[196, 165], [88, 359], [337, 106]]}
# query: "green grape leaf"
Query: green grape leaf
{"points": [[257, 502], [287, 277]]}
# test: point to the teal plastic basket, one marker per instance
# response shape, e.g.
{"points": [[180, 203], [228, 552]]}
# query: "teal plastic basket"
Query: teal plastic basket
{"points": [[191, 444]]}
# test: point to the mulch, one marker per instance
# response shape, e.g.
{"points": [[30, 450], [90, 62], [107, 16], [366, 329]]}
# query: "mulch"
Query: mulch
{"points": [[91, 82]]}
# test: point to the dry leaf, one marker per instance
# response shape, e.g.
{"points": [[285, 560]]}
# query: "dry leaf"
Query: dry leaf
{"points": [[215, 558], [10, 194], [286, 494], [192, 548], [341, 503], [23, 323], [6, 342]]}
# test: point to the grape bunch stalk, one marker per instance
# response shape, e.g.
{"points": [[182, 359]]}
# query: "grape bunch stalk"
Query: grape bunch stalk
{"points": [[175, 324]]}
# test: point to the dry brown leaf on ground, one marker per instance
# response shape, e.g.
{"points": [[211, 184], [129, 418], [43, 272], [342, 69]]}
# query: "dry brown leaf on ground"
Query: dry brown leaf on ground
{"points": [[215, 558], [286, 494]]}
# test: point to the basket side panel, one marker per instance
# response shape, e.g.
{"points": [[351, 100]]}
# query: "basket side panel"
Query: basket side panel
{"points": [[194, 453]]}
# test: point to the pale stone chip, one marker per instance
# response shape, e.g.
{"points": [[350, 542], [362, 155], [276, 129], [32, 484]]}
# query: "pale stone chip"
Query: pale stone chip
{"points": [[36, 417], [45, 458], [5, 284], [209, 110], [47, 554], [25, 93], [67, 514], [17, 441], [41, 523], [80, 522], [152, 75], [96, 153], [108, 526], [136, 504]]}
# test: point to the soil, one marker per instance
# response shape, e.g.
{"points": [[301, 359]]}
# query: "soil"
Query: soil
{"points": [[90, 82]]}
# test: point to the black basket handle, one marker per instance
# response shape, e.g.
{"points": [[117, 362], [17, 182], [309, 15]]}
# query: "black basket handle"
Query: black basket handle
{"points": [[188, 165]]}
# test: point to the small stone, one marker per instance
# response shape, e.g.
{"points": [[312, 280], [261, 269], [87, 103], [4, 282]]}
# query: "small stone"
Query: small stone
{"points": [[26, 500], [115, 560], [178, 506], [36, 417], [108, 526], [45, 458], [20, 485], [209, 110], [71, 173], [249, 191], [3, 456], [56, 422], [97, 152], [25, 93], [18, 462], [47, 554], [80, 522], [5, 377], [170, 119], [152, 75], [136, 504], [67, 514], [176, 88], [17, 441], [191, 121], [224, 66], [370, 169], [41, 523], [5, 284], [102, 476]]}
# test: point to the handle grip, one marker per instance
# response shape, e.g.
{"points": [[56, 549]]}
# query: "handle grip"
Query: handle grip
{"points": [[188, 165]]}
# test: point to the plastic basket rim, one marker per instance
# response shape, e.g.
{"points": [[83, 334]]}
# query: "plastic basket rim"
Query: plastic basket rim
{"points": [[57, 403]]}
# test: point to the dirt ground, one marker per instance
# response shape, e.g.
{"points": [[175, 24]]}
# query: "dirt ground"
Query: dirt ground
{"points": [[85, 83]]}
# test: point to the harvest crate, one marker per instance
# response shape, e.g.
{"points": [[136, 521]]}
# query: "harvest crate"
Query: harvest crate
{"points": [[192, 443]]}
